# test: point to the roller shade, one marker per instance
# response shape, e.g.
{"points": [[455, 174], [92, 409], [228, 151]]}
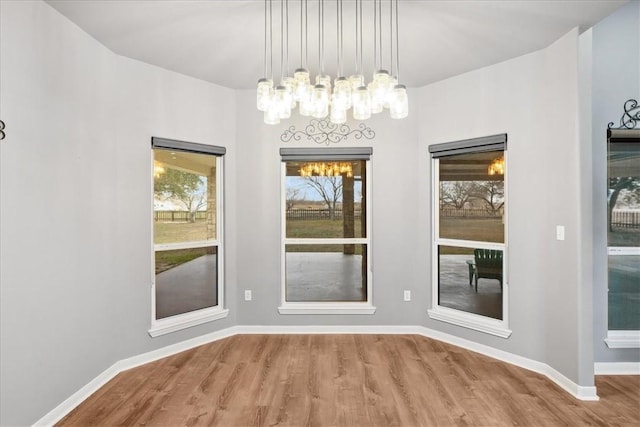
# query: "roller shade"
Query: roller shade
{"points": [[326, 154], [623, 135], [190, 147], [474, 145]]}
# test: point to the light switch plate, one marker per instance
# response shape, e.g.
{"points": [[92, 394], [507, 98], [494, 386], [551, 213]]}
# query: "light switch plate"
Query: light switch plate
{"points": [[559, 232], [407, 296], [247, 295]]}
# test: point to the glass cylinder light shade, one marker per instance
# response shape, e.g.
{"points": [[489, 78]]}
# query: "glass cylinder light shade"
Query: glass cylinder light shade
{"points": [[263, 94], [399, 102], [320, 100], [282, 101], [341, 94], [306, 106], [338, 115], [379, 88], [324, 80], [356, 81], [302, 84], [288, 83], [361, 104], [272, 115], [391, 84]]}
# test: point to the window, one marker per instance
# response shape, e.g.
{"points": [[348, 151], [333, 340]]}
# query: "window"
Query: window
{"points": [[623, 228], [469, 234], [326, 243], [187, 235]]}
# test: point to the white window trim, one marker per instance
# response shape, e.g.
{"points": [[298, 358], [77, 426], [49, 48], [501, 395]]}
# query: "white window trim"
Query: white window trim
{"points": [[193, 318], [472, 321], [615, 338], [623, 339], [319, 307]]}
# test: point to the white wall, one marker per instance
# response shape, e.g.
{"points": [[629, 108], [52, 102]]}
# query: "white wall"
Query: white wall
{"points": [[534, 100], [616, 78], [76, 197]]}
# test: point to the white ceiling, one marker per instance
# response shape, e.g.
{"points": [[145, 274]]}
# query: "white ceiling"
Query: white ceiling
{"points": [[222, 41]]}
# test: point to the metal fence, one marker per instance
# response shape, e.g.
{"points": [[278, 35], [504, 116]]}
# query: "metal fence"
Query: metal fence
{"points": [[310, 214], [625, 219], [177, 216], [467, 213]]}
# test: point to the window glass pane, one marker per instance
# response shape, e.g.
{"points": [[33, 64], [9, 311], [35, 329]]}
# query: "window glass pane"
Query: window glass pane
{"points": [[186, 280], [470, 280], [623, 226], [326, 199], [184, 203], [624, 292], [471, 197], [326, 272], [624, 194]]}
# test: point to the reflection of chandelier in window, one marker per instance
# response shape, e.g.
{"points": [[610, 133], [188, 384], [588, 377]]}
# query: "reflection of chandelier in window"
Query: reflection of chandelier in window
{"points": [[326, 169], [158, 169], [497, 166]]}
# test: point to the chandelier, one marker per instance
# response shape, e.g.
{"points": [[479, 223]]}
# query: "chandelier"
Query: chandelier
{"points": [[322, 99], [496, 167], [326, 169]]}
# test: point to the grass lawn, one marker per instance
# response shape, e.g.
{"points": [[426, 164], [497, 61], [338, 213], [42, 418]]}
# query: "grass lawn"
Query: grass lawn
{"points": [[171, 232], [479, 229], [166, 260], [476, 229], [319, 228]]}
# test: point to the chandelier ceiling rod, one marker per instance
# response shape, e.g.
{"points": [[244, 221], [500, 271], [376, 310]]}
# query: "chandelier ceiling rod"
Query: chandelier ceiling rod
{"points": [[339, 36], [282, 37], [361, 68], [265, 39], [397, 46], [271, 40], [391, 37], [375, 35], [321, 37]]}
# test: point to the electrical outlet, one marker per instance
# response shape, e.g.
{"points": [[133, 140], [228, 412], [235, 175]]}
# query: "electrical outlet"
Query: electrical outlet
{"points": [[407, 295], [559, 232], [247, 295]]}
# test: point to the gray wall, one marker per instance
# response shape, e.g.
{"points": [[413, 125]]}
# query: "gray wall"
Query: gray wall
{"points": [[534, 100], [76, 203], [396, 260], [616, 78]]}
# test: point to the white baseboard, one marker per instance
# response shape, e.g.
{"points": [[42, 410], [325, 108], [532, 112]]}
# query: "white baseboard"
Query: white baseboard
{"points": [[94, 385], [617, 368], [57, 413], [580, 392]]}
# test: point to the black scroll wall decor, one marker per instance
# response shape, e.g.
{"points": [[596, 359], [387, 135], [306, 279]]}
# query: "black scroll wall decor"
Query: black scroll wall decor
{"points": [[631, 116], [325, 132], [2, 135]]}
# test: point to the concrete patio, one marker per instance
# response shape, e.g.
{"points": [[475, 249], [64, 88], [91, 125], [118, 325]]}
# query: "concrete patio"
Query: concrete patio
{"points": [[322, 276]]}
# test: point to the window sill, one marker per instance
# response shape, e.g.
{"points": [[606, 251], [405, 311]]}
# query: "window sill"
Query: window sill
{"points": [[623, 339], [184, 321], [326, 308], [470, 321]]}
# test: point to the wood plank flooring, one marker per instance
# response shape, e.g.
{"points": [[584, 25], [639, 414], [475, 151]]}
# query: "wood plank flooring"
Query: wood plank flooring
{"points": [[346, 380]]}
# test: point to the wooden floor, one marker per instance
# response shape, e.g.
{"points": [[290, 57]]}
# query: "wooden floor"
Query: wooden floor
{"points": [[346, 380]]}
